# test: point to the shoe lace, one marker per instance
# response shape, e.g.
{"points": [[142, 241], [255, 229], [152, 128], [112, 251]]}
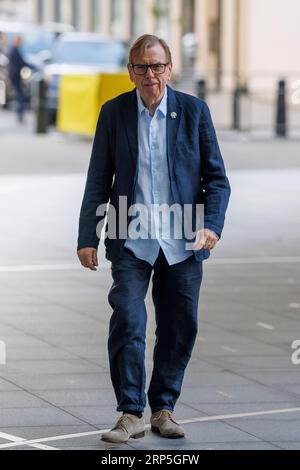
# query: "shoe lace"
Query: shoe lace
{"points": [[122, 422], [168, 413]]}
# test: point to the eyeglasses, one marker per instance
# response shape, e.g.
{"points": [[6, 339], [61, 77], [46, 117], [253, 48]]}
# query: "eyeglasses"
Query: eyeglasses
{"points": [[142, 69]]}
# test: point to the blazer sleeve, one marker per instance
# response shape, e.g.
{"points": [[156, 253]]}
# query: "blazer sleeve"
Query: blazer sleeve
{"points": [[214, 180], [98, 184]]}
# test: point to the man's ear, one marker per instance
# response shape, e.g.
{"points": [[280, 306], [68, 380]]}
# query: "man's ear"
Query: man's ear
{"points": [[130, 71], [170, 66]]}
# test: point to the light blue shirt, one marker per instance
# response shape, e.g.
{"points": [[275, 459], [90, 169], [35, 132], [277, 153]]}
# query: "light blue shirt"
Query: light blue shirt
{"points": [[153, 187]]}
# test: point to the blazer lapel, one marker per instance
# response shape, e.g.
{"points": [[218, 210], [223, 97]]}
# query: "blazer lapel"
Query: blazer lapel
{"points": [[130, 119], [173, 125]]}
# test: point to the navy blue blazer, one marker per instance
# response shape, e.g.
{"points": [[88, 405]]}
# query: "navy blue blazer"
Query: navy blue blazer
{"points": [[196, 167]]}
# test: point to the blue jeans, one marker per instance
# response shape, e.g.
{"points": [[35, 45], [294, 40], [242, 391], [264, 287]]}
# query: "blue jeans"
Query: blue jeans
{"points": [[175, 293]]}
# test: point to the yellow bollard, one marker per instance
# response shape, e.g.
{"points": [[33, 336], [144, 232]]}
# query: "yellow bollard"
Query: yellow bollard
{"points": [[81, 98]]}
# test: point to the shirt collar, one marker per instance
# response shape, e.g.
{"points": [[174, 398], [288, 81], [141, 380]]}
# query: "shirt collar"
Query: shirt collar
{"points": [[161, 108]]}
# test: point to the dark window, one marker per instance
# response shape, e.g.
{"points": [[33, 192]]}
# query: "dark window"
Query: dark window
{"points": [[75, 13], [40, 11], [57, 10]]}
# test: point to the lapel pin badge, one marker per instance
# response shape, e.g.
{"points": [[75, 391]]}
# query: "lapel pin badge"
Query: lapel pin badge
{"points": [[174, 115]]}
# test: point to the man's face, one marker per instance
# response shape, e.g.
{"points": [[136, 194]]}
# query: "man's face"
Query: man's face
{"points": [[151, 86], [19, 41]]}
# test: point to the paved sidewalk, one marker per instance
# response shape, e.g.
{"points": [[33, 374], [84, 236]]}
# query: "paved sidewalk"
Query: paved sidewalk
{"points": [[241, 389]]}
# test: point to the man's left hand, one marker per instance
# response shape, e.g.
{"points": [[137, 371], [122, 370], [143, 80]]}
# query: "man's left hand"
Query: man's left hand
{"points": [[206, 239]]}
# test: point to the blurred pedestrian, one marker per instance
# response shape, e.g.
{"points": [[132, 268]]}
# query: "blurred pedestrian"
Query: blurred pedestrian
{"points": [[15, 66]]}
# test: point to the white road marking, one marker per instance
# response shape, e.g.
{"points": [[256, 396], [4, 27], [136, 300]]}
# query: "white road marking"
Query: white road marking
{"points": [[40, 267], [53, 438], [106, 264], [185, 421], [266, 326], [223, 394], [240, 415], [294, 305], [201, 339], [226, 348], [262, 260], [20, 440]]}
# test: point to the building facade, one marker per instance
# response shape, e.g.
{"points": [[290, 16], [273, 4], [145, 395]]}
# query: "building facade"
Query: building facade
{"points": [[249, 43], [14, 10], [127, 19]]}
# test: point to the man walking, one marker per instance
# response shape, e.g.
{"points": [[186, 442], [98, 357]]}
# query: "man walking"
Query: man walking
{"points": [[154, 146], [15, 65]]}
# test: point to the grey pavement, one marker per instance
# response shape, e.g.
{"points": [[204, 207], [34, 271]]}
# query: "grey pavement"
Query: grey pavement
{"points": [[241, 390]]}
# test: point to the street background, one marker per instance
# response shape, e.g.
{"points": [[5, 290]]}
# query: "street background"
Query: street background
{"points": [[241, 389]]}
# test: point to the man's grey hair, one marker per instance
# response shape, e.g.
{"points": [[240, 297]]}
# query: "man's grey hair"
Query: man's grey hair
{"points": [[146, 42]]}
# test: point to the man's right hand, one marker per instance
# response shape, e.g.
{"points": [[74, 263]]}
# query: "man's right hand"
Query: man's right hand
{"points": [[88, 258]]}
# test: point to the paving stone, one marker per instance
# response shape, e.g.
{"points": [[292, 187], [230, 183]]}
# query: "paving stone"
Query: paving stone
{"points": [[13, 417]]}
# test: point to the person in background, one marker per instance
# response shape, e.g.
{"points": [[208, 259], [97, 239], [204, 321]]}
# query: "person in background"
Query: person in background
{"points": [[15, 65]]}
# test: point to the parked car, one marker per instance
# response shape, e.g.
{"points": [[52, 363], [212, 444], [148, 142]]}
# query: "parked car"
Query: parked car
{"points": [[81, 54], [58, 28]]}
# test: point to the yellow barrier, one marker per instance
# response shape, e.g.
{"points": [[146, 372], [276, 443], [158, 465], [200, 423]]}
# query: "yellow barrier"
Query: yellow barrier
{"points": [[81, 97]]}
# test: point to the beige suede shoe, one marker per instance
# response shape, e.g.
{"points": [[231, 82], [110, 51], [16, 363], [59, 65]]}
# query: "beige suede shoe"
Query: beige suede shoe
{"points": [[128, 426], [163, 423]]}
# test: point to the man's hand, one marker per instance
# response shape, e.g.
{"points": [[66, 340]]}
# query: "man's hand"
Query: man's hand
{"points": [[88, 258], [206, 239]]}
